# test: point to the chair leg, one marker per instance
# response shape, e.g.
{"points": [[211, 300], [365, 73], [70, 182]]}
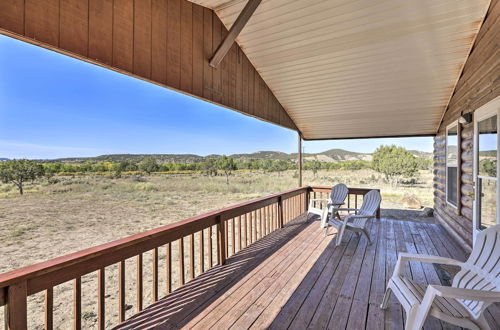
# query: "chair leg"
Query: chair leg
{"points": [[340, 233], [367, 235], [413, 320], [482, 323], [385, 300]]}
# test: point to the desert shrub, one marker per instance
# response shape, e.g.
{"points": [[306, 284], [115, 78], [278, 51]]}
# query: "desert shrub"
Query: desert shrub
{"points": [[139, 179], [145, 186], [5, 188]]}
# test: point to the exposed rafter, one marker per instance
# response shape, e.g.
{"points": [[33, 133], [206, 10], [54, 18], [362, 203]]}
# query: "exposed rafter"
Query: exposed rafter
{"points": [[235, 30]]}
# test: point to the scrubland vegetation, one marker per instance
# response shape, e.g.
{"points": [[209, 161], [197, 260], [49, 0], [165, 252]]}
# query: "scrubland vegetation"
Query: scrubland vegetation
{"points": [[68, 209]]}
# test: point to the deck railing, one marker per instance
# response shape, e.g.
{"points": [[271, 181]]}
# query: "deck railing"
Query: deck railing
{"points": [[211, 238]]}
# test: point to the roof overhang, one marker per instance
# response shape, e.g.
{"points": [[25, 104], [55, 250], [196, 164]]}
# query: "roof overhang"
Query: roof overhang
{"points": [[355, 69]]}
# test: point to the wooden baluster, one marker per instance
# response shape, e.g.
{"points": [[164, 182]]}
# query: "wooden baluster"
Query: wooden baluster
{"points": [[264, 222], [202, 252], [246, 230], [287, 210], [191, 257], [356, 203], [348, 200], [210, 251], [181, 261], [254, 218], [155, 274], [77, 303], [250, 220], [261, 225], [240, 236], [233, 238], [168, 266], [139, 283], [280, 212], [101, 304], [272, 219], [226, 240], [268, 222], [16, 310], [49, 309], [277, 216], [121, 291], [221, 240]]}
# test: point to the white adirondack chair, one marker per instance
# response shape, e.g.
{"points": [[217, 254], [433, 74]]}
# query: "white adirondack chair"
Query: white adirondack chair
{"points": [[476, 286], [337, 197], [356, 222]]}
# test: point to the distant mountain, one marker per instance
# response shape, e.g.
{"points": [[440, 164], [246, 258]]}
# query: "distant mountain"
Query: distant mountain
{"points": [[332, 155], [3, 159]]}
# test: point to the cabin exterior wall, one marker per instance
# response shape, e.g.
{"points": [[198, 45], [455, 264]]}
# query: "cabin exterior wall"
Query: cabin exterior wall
{"points": [[478, 84]]}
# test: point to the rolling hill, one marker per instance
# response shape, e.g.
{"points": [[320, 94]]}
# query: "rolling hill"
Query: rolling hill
{"points": [[332, 155]]}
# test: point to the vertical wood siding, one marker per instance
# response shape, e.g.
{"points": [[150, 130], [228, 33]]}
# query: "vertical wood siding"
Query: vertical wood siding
{"points": [[167, 42], [478, 84]]}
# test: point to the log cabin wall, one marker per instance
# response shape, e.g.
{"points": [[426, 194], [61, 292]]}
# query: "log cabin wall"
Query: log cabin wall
{"points": [[478, 84], [167, 42]]}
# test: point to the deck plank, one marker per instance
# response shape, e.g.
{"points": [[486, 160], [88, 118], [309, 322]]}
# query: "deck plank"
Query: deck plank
{"points": [[359, 309], [296, 278]]}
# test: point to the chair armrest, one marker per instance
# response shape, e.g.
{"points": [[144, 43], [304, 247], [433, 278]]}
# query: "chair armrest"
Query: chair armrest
{"points": [[358, 216], [347, 209], [404, 257], [468, 294]]}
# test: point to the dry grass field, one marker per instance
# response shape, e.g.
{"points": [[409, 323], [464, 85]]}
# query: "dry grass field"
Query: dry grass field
{"points": [[73, 213]]}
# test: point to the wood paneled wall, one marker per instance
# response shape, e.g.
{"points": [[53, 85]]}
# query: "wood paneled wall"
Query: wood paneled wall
{"points": [[478, 84], [168, 42]]}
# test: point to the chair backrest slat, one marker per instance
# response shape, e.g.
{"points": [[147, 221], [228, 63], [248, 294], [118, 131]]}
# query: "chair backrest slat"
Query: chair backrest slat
{"points": [[481, 271], [339, 193], [371, 202]]}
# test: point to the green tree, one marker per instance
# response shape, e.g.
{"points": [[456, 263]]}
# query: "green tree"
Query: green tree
{"points": [[395, 163], [20, 171], [280, 166], [227, 165], [489, 166], [148, 165], [315, 166], [210, 166]]}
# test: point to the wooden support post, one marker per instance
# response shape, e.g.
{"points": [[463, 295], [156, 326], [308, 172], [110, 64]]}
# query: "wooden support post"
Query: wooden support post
{"points": [[235, 30], [77, 303], [16, 311], [459, 169], [222, 240], [299, 160], [49, 309]]}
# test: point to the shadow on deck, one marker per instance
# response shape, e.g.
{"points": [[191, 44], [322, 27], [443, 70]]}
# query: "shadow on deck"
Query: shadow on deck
{"points": [[296, 278]]}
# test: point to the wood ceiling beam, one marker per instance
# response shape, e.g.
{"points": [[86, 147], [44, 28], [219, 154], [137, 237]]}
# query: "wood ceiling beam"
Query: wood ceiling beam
{"points": [[235, 30]]}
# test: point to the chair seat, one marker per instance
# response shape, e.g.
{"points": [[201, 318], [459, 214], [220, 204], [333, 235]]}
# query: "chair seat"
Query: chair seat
{"points": [[414, 292], [315, 210]]}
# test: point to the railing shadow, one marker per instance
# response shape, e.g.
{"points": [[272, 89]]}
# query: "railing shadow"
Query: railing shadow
{"points": [[179, 307]]}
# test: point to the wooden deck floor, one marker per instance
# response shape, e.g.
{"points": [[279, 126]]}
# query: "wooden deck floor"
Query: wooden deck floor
{"points": [[296, 278]]}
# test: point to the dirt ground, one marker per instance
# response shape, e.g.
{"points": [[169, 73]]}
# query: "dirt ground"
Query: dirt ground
{"points": [[73, 213]]}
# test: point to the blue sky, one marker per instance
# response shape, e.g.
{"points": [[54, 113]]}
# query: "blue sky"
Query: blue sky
{"points": [[54, 106]]}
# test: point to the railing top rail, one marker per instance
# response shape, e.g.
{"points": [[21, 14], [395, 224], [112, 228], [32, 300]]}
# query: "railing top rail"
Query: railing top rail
{"points": [[352, 190], [112, 252]]}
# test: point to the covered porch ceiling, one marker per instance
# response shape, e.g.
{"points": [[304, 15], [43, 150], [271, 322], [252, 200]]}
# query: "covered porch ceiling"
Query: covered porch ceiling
{"points": [[329, 69], [353, 69]]}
